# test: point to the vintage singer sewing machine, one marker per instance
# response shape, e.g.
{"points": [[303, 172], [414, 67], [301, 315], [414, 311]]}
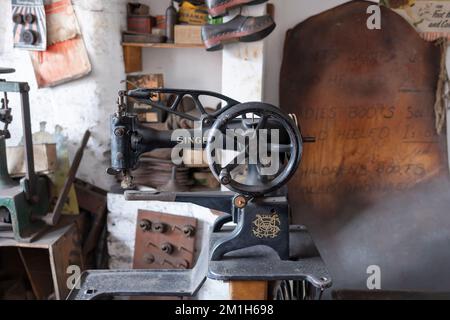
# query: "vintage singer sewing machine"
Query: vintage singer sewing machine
{"points": [[253, 149]]}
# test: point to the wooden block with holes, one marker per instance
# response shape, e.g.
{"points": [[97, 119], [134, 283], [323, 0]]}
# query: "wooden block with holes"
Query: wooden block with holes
{"points": [[164, 241]]}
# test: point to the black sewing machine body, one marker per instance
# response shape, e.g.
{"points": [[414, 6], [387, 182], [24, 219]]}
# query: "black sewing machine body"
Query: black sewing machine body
{"points": [[262, 245], [261, 214]]}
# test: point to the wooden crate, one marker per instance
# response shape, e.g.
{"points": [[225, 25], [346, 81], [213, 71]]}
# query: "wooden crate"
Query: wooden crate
{"points": [[187, 34]]}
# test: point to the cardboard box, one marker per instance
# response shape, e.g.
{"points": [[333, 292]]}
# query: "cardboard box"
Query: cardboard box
{"points": [[44, 159], [192, 14], [187, 34]]}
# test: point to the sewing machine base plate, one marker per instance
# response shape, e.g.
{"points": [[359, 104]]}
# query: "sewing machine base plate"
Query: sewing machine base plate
{"points": [[262, 263]]}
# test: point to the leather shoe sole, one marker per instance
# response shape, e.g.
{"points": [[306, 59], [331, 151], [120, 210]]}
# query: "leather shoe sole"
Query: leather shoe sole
{"points": [[216, 43]]}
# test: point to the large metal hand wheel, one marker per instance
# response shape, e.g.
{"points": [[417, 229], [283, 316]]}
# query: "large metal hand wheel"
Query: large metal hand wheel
{"points": [[253, 148]]}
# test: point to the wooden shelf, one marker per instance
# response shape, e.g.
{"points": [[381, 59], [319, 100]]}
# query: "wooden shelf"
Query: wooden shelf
{"points": [[132, 52], [162, 45]]}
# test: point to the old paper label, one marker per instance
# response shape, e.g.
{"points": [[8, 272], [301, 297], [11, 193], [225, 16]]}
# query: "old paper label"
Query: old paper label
{"points": [[430, 18]]}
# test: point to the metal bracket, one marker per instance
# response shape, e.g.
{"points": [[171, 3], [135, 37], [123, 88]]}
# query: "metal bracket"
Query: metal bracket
{"points": [[144, 96]]}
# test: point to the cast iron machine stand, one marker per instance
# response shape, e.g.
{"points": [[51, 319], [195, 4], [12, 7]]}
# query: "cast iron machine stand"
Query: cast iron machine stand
{"points": [[253, 149]]}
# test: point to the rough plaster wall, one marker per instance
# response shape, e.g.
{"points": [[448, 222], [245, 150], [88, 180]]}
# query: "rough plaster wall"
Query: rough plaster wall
{"points": [[81, 104], [88, 102], [243, 64]]}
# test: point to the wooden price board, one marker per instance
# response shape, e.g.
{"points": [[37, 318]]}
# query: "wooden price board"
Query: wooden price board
{"points": [[374, 188]]}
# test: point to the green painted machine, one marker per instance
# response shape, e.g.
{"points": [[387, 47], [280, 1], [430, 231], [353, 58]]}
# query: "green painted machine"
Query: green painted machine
{"points": [[22, 204], [25, 205]]}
